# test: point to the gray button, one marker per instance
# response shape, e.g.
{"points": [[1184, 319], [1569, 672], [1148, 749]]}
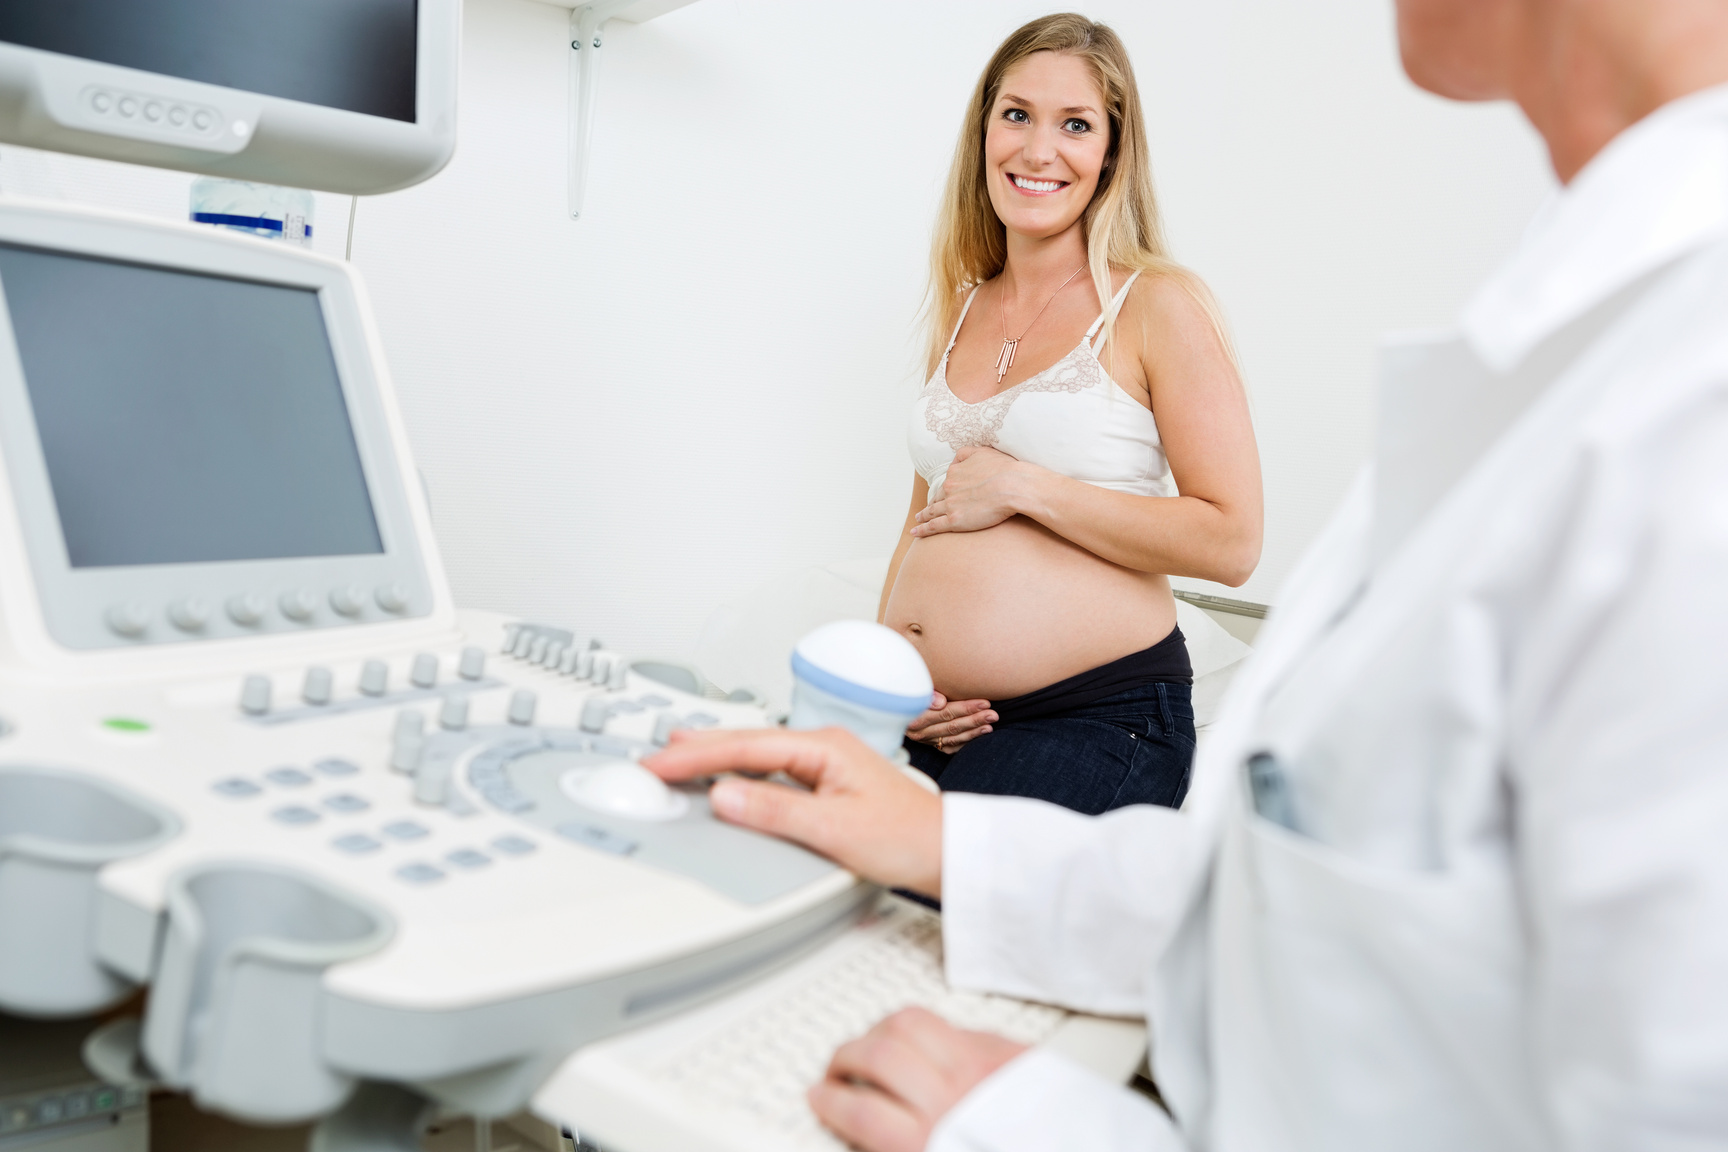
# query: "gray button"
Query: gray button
{"points": [[408, 741], [102, 102], [554, 656], [567, 662], [468, 858], [597, 838], [653, 701], [424, 674], [77, 1105], [471, 665], [522, 703], [189, 613], [255, 695], [594, 714], [701, 720], [337, 767], [405, 830], [664, 725], [297, 604], [348, 599], [235, 787], [453, 713], [599, 667], [514, 845], [247, 609], [295, 814], [616, 679], [626, 707], [130, 618], [288, 777], [202, 120], [374, 678], [419, 874], [392, 597], [356, 844], [347, 802], [315, 689], [584, 669], [537, 650], [177, 116]]}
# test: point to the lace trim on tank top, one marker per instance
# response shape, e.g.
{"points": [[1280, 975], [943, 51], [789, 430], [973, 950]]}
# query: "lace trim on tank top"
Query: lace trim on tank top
{"points": [[962, 425]]}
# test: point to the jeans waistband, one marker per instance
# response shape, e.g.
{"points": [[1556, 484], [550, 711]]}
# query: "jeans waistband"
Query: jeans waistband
{"points": [[1165, 662]]}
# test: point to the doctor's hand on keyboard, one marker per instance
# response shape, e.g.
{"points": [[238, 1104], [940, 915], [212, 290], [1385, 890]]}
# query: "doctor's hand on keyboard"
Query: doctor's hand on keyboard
{"points": [[860, 812], [885, 1091]]}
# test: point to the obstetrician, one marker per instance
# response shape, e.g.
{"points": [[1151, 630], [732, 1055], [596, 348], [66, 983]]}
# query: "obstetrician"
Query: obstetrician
{"points": [[1453, 871]]}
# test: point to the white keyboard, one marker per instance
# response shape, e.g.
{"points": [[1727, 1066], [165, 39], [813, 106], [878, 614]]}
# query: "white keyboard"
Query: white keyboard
{"points": [[732, 1077]]}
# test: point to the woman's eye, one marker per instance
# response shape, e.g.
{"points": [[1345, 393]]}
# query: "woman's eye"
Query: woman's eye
{"points": [[1016, 116], [1076, 125]]}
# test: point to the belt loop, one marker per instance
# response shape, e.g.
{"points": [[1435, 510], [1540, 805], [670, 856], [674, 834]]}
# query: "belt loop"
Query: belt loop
{"points": [[1164, 709]]}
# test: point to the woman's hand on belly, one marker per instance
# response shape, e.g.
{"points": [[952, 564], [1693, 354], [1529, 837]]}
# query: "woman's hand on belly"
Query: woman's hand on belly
{"points": [[947, 724], [983, 488]]}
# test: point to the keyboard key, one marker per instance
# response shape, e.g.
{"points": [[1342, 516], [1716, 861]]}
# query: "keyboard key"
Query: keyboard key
{"points": [[334, 766], [295, 815], [468, 858], [419, 874], [288, 777], [235, 788], [346, 802], [514, 845], [596, 838], [405, 830], [356, 844]]}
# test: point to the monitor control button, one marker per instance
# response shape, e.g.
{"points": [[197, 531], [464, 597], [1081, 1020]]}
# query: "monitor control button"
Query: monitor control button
{"points": [[128, 107], [189, 613], [392, 597], [348, 599], [247, 609], [298, 604], [130, 618], [202, 120], [152, 111], [177, 116], [102, 102]]}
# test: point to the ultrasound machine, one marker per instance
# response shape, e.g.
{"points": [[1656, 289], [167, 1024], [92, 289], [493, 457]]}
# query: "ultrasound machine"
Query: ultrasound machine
{"points": [[369, 852]]}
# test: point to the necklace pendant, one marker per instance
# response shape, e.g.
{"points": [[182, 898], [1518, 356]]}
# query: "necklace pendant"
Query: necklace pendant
{"points": [[1005, 360]]}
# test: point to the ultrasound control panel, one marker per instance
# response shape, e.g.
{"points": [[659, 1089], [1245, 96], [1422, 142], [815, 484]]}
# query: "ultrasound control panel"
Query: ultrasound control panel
{"points": [[357, 842]]}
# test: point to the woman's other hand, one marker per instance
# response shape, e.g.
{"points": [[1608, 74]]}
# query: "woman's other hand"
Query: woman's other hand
{"points": [[947, 724], [861, 811], [983, 488], [885, 1091]]}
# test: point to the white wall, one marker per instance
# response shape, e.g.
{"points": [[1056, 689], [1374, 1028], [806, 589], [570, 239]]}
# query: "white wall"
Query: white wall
{"points": [[626, 420]]}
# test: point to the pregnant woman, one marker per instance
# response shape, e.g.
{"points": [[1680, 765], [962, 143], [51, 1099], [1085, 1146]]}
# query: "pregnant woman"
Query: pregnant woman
{"points": [[1083, 436]]}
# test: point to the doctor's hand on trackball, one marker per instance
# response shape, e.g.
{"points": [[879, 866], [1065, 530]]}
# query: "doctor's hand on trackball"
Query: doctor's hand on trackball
{"points": [[884, 1091]]}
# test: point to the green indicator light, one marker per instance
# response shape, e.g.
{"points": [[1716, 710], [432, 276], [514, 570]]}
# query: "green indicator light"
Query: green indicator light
{"points": [[125, 724]]}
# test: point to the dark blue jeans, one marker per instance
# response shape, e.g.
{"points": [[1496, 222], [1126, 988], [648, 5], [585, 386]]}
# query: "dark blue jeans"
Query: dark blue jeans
{"points": [[1135, 747]]}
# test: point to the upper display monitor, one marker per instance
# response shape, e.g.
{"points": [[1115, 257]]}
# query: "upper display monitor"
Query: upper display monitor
{"points": [[344, 95]]}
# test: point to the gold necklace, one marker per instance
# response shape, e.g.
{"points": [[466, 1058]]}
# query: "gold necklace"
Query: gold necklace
{"points": [[1005, 359]]}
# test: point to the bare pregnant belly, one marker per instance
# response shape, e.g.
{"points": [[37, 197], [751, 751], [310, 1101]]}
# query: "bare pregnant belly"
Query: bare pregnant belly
{"points": [[1014, 608]]}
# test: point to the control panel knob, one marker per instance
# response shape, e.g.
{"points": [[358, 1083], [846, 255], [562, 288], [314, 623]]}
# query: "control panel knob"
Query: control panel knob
{"points": [[453, 713], [130, 618], [298, 604], [374, 678], [472, 663], [567, 661], [392, 597], [554, 655], [424, 672], [599, 667], [255, 695], [189, 613], [616, 674], [594, 713], [584, 668], [315, 689], [665, 723], [407, 741], [537, 650], [432, 782], [247, 609], [524, 641], [522, 703], [347, 599]]}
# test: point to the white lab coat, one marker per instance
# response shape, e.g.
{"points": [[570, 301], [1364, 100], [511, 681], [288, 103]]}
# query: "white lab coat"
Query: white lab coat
{"points": [[1498, 691]]}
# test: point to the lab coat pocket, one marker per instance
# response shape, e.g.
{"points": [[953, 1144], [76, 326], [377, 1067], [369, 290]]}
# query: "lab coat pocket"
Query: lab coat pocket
{"points": [[1360, 1006]]}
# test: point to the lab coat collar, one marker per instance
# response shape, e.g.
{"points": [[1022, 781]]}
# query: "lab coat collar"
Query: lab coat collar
{"points": [[1656, 192]]}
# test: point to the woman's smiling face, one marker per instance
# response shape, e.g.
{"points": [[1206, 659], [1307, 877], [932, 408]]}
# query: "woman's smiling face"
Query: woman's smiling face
{"points": [[1045, 144]]}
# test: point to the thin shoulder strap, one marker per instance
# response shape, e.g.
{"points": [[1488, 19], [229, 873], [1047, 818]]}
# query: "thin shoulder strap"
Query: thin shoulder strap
{"points": [[965, 308], [1115, 304]]}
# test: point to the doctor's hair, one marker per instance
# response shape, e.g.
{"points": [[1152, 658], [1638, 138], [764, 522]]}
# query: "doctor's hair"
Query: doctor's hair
{"points": [[1123, 228]]}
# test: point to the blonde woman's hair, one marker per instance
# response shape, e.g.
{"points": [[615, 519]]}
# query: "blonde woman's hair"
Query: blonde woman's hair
{"points": [[1123, 229]]}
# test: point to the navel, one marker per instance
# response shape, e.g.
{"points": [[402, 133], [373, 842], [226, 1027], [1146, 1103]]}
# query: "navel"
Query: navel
{"points": [[916, 629]]}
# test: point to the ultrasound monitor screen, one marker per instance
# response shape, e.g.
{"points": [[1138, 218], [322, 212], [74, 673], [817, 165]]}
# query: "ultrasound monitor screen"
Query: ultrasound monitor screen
{"points": [[358, 55], [185, 418]]}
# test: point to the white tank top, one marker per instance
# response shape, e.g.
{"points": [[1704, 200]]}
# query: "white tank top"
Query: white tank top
{"points": [[1070, 418]]}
